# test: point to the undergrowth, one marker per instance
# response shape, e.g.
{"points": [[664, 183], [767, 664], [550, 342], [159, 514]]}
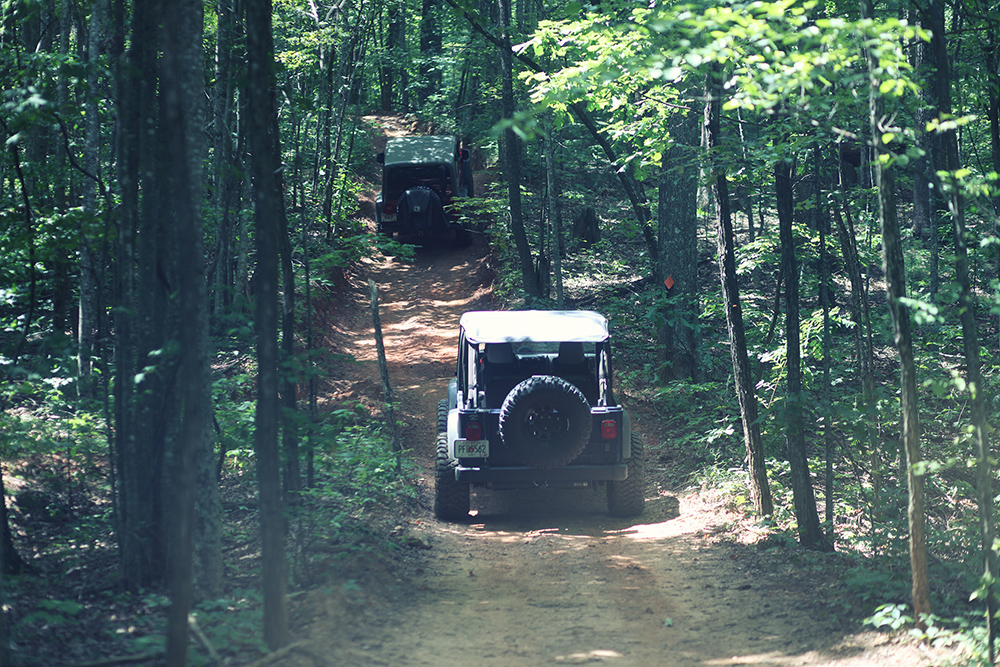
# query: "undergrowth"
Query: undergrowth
{"points": [[61, 517], [697, 441]]}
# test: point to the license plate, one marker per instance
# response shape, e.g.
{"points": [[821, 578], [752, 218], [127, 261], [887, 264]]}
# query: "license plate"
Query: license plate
{"points": [[472, 449]]}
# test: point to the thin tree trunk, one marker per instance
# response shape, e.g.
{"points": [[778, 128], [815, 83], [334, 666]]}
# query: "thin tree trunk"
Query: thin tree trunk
{"points": [[825, 299], [950, 191], [89, 286], [288, 377], [892, 261], [863, 345], [746, 393], [554, 213], [387, 398], [225, 165], [810, 532]]}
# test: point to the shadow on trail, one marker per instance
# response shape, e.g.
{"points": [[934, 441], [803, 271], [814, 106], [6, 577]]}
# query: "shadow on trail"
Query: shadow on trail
{"points": [[566, 511]]}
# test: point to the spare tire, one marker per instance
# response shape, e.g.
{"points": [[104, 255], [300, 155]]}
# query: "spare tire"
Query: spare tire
{"points": [[545, 421], [420, 210]]}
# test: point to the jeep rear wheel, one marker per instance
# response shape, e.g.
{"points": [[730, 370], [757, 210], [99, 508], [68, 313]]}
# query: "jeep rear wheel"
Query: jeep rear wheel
{"points": [[627, 497], [442, 416], [545, 421], [463, 237], [451, 497]]}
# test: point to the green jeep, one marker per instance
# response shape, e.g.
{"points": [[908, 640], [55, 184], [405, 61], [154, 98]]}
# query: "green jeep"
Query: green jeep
{"points": [[421, 178]]}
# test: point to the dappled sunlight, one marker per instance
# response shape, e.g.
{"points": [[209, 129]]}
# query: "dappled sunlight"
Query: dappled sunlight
{"points": [[769, 658], [596, 655]]}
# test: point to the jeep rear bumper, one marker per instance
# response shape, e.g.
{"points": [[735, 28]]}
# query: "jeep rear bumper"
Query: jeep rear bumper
{"points": [[512, 474]]}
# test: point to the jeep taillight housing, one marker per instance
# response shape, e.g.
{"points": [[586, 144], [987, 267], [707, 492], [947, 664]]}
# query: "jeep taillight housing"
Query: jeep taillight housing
{"points": [[609, 429], [473, 431], [390, 207]]}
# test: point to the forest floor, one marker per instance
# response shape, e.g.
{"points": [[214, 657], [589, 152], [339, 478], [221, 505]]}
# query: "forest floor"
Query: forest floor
{"points": [[548, 577]]}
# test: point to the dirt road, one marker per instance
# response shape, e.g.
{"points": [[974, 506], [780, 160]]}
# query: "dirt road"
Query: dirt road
{"points": [[549, 578]]}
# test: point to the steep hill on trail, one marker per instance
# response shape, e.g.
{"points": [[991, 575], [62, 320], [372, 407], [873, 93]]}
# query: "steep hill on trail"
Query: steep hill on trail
{"points": [[548, 577]]}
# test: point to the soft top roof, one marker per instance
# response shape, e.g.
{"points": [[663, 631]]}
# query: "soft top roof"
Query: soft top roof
{"points": [[424, 150], [543, 326]]}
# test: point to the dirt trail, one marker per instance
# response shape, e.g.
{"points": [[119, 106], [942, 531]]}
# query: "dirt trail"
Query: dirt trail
{"points": [[545, 577]]}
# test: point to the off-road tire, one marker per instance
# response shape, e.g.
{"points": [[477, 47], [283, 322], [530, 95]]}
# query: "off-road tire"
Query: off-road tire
{"points": [[545, 421], [451, 497], [627, 497], [463, 237], [470, 188], [442, 416]]}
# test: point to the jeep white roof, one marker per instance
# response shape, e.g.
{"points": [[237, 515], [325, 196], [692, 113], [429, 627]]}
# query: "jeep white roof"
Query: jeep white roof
{"points": [[543, 326], [424, 150]]}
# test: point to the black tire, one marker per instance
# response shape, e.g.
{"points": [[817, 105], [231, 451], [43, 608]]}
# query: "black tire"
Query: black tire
{"points": [[628, 497], [443, 416], [463, 237], [451, 498], [545, 421], [470, 189]]}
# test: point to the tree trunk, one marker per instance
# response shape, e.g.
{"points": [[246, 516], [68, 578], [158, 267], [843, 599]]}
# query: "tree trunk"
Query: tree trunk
{"points": [[554, 212], [225, 167], [512, 153], [892, 262], [265, 164], [745, 390], [430, 50], [289, 384], [950, 191], [677, 270], [864, 347], [87, 305], [810, 532], [822, 223], [182, 92], [137, 75]]}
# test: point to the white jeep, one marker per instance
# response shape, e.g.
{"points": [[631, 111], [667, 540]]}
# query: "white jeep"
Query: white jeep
{"points": [[532, 405]]}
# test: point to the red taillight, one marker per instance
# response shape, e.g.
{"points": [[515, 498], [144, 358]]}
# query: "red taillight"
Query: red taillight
{"points": [[389, 207], [473, 431], [609, 429]]}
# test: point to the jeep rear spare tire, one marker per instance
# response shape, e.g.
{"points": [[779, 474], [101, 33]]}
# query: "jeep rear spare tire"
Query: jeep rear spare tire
{"points": [[545, 421]]}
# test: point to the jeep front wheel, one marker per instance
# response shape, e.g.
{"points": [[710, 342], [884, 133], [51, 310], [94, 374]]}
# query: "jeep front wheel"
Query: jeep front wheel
{"points": [[545, 421], [451, 497], [627, 497]]}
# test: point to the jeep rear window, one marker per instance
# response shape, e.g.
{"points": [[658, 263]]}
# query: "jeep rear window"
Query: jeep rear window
{"points": [[398, 179], [533, 347]]}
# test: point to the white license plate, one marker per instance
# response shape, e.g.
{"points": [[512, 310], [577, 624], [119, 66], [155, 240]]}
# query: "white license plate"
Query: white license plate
{"points": [[469, 449]]}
